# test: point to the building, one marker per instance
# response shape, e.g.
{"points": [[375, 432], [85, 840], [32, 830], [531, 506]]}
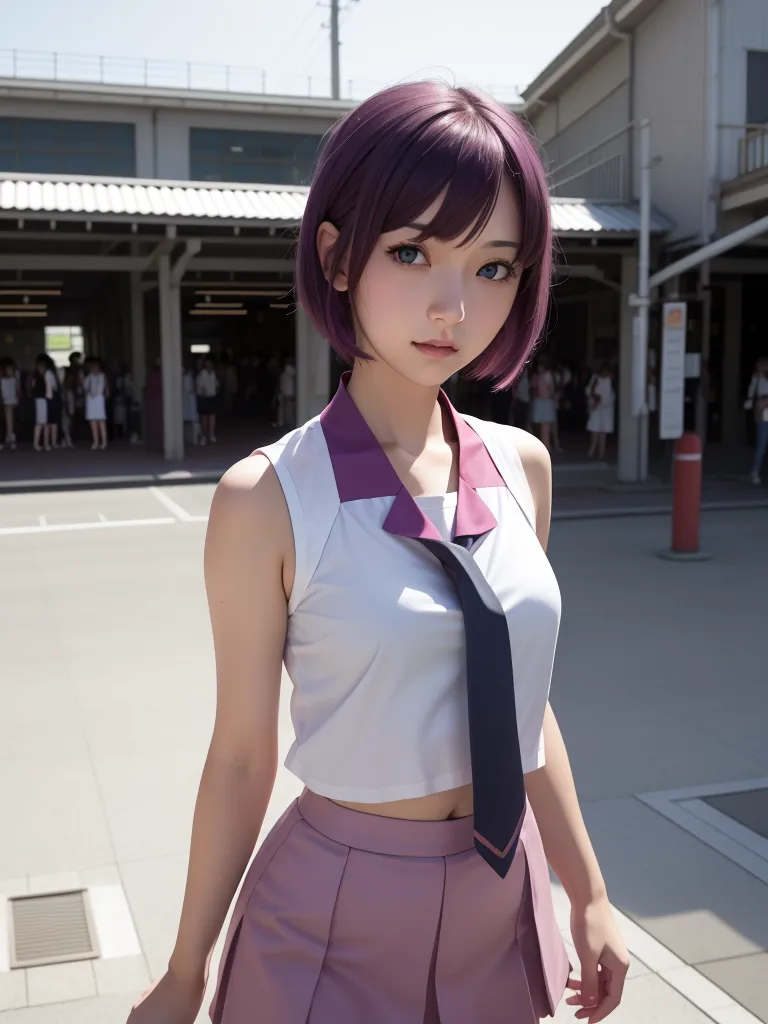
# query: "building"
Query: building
{"points": [[698, 71], [159, 222]]}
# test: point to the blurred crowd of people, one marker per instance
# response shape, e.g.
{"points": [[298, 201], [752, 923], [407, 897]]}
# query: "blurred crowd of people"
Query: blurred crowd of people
{"points": [[550, 396], [58, 407]]}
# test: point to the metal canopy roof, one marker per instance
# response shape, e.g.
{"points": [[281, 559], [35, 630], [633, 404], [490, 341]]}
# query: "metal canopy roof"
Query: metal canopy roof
{"points": [[79, 197]]}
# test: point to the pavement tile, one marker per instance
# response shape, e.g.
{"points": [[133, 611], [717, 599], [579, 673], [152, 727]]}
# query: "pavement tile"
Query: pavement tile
{"points": [[100, 1010], [123, 974], [647, 1000], [13, 990], [745, 978], [697, 903], [57, 983]]}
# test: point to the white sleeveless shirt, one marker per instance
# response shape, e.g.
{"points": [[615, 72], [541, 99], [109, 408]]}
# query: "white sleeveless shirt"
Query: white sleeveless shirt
{"points": [[375, 639]]}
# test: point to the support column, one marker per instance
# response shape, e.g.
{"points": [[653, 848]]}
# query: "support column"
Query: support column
{"points": [[733, 398], [313, 369], [590, 348], [628, 468], [170, 353], [138, 342]]}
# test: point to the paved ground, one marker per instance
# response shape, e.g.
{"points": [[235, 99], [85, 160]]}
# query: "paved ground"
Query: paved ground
{"points": [[106, 703]]}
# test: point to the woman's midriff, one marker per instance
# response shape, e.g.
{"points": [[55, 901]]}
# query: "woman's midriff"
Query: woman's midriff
{"points": [[452, 803]]}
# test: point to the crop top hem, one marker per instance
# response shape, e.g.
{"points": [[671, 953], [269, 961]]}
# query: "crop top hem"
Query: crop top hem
{"points": [[405, 791]]}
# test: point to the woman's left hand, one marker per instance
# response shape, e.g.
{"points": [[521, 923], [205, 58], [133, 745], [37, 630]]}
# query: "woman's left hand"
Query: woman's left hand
{"points": [[604, 961]]}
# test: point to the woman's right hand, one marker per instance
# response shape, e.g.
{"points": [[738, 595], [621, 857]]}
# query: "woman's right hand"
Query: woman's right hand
{"points": [[171, 1000]]}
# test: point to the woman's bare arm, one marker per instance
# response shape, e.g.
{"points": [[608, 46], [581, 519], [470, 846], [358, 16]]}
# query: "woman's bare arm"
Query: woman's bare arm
{"points": [[248, 570], [552, 794]]}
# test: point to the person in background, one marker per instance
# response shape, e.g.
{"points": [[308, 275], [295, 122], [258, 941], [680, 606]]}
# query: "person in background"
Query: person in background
{"points": [[602, 402], [561, 376], [189, 401], [73, 395], [207, 387], [96, 390], [521, 401], [10, 394], [757, 401], [40, 392], [543, 411], [286, 407]]}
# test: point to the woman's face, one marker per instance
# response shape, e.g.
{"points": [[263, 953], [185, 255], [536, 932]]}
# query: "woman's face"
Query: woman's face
{"points": [[429, 308]]}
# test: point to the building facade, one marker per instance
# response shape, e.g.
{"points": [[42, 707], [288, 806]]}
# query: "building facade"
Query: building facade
{"points": [[698, 71], [161, 223]]}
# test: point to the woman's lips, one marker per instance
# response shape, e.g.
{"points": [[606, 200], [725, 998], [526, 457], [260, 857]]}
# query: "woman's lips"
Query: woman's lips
{"points": [[436, 350]]}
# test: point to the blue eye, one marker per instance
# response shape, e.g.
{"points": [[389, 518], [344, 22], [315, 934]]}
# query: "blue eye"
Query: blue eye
{"points": [[492, 269], [407, 254]]}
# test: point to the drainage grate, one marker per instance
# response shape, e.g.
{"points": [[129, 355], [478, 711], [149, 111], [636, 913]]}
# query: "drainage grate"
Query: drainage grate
{"points": [[51, 928]]}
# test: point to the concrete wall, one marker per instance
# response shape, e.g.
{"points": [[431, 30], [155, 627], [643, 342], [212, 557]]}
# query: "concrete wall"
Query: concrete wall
{"points": [[162, 136], [591, 109], [670, 88]]}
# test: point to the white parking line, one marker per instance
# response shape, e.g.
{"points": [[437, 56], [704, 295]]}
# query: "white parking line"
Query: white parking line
{"points": [[181, 513], [11, 531]]}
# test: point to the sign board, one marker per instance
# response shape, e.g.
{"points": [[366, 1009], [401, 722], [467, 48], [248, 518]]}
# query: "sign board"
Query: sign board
{"points": [[672, 383]]}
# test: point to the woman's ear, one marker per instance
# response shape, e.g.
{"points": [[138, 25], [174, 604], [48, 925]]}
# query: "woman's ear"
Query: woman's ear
{"points": [[327, 236]]}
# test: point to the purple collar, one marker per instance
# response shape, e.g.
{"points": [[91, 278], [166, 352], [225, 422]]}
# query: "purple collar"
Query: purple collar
{"points": [[362, 470]]}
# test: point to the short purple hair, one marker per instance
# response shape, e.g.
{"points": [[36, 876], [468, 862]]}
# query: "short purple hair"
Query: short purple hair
{"points": [[385, 163]]}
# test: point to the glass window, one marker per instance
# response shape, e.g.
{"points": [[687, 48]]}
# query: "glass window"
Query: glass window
{"points": [[40, 145], [267, 158], [757, 87]]}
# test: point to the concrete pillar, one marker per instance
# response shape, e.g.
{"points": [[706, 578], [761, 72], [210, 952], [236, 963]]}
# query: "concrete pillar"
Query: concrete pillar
{"points": [[138, 342], [628, 468], [313, 369], [170, 360], [733, 398]]}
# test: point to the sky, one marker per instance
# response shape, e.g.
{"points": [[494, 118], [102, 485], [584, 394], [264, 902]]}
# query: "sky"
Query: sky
{"points": [[498, 45]]}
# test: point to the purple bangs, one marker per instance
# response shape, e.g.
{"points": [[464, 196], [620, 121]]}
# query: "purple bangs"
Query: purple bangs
{"points": [[385, 163]]}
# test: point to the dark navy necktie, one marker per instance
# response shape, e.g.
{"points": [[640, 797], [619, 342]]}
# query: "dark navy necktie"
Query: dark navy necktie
{"points": [[497, 770]]}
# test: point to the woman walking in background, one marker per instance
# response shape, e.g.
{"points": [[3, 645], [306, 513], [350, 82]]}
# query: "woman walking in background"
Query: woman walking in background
{"points": [[602, 402], [544, 408], [757, 401], [96, 389]]}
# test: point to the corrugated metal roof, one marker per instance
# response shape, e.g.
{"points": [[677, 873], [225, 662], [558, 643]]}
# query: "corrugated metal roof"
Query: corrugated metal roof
{"points": [[590, 216], [131, 199]]}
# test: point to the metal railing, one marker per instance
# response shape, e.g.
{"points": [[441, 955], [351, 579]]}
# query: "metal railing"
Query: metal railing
{"points": [[600, 172], [192, 75], [743, 149]]}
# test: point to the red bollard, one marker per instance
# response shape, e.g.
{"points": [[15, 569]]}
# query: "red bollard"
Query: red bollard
{"points": [[686, 511]]}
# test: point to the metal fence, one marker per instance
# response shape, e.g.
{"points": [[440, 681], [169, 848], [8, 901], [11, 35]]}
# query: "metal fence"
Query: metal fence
{"points": [[177, 74], [743, 149]]}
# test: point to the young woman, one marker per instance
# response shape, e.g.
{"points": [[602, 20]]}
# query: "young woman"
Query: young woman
{"points": [[207, 384], [391, 551], [45, 387], [602, 403], [9, 394], [544, 410], [96, 390], [757, 401]]}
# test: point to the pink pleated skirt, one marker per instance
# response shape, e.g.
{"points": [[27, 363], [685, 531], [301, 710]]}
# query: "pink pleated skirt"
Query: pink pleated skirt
{"points": [[352, 918]]}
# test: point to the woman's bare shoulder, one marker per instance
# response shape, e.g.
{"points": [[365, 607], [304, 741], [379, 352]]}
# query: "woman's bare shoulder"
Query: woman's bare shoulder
{"points": [[537, 464], [249, 503]]}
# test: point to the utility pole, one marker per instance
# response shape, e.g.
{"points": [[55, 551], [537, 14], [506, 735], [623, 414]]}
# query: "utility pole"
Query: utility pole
{"points": [[335, 45]]}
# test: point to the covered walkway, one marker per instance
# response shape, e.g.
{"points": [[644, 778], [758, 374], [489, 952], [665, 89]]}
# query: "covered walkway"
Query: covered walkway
{"points": [[142, 265]]}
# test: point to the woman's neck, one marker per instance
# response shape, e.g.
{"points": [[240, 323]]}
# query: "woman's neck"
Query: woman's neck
{"points": [[399, 412]]}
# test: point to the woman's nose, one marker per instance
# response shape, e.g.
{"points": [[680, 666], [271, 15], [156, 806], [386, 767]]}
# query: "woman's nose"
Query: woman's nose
{"points": [[447, 302]]}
